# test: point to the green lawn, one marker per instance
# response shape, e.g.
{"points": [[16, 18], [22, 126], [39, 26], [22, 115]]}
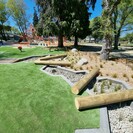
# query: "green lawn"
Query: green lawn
{"points": [[33, 102], [10, 52]]}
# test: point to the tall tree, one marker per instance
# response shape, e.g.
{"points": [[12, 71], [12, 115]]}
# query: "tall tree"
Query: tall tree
{"points": [[4, 15], [80, 21], [96, 28], [17, 10], [128, 38], [108, 9], [122, 19], [35, 18], [57, 17]]}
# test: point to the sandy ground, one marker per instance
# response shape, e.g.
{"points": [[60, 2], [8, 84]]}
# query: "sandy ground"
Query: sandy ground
{"points": [[117, 68]]}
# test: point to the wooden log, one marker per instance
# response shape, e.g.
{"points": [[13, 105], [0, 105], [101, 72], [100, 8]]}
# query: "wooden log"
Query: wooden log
{"points": [[103, 99], [60, 63], [53, 57], [81, 84]]}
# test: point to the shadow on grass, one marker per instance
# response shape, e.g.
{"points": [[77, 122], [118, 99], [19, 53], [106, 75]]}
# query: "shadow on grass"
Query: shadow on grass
{"points": [[7, 55]]}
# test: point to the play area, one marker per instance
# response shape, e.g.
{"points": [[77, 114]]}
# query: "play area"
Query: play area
{"points": [[70, 81], [66, 66]]}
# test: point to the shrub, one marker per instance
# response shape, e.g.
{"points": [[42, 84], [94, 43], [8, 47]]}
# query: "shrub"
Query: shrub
{"points": [[102, 87], [124, 75], [110, 82], [101, 66], [114, 75], [95, 89], [117, 87], [20, 48]]}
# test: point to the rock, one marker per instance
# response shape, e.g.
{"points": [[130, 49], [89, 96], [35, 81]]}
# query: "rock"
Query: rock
{"points": [[74, 50], [54, 71], [82, 62], [131, 105], [126, 113]]}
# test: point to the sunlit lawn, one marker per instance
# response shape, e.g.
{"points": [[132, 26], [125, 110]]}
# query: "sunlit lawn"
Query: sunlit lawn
{"points": [[33, 102], [11, 52]]}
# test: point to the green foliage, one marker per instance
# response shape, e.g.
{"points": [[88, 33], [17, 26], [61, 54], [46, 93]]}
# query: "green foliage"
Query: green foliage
{"points": [[4, 13], [80, 20], [35, 18], [96, 28], [9, 52], [117, 87], [17, 10], [6, 27], [122, 19], [128, 38], [15, 30], [109, 7], [64, 18]]}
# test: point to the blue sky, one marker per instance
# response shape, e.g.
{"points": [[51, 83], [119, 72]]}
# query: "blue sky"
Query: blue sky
{"points": [[98, 9], [31, 4]]}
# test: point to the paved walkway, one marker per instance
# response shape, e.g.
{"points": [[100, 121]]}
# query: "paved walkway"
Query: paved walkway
{"points": [[7, 61], [123, 52]]}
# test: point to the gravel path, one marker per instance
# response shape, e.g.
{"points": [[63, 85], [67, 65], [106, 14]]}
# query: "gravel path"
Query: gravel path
{"points": [[71, 76], [121, 118]]}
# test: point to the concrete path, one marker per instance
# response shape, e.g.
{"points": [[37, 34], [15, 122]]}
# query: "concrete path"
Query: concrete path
{"points": [[123, 52], [7, 61]]}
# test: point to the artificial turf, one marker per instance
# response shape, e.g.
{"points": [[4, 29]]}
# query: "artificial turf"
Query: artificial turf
{"points": [[12, 52], [34, 102]]}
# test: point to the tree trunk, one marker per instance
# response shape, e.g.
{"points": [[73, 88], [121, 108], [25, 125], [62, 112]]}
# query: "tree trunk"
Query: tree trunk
{"points": [[116, 41], [108, 10], [3, 33], [76, 41], [60, 40], [106, 49]]}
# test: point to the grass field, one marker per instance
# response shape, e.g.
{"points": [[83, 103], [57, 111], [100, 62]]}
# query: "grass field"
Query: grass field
{"points": [[33, 102], [10, 52]]}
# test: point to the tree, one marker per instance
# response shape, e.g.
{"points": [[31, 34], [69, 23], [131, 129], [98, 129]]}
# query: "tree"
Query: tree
{"points": [[35, 18], [80, 21], [108, 9], [58, 16], [96, 28], [4, 15], [15, 30], [128, 38], [122, 19], [17, 10]]}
